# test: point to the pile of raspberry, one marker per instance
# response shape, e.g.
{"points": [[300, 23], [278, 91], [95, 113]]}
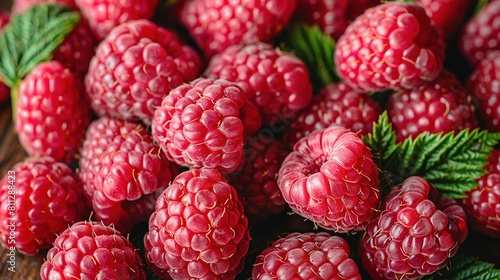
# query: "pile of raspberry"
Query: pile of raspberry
{"points": [[167, 147]]}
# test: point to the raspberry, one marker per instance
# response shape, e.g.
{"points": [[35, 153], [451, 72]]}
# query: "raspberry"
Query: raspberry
{"points": [[256, 183], [52, 114], [199, 229], [91, 250], [390, 46], [334, 104], [332, 17], [216, 25], [442, 105], [119, 166], [45, 197], [104, 15], [4, 89], [277, 82], [331, 179], [484, 85], [481, 34], [415, 234], [483, 203], [202, 124], [306, 256], [19, 6], [135, 67]]}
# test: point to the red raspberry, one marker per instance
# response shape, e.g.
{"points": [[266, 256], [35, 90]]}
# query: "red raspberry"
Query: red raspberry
{"points": [[119, 165], [334, 104], [332, 17], [308, 256], [202, 124], [199, 229], [40, 198], [390, 46], [331, 179], [216, 25], [415, 234], [52, 114], [91, 250], [481, 34], [483, 203], [4, 89], [104, 15], [484, 84], [277, 82], [19, 6], [256, 181], [442, 105], [135, 67]]}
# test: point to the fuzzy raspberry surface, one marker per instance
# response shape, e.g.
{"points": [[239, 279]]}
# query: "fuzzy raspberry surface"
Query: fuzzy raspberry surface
{"points": [[331, 179], [277, 82], [52, 114], [40, 199], [415, 234], [105, 15], [216, 25], [204, 124], [390, 46], [334, 104], [442, 105], [308, 256], [135, 67], [198, 229], [483, 203], [484, 85], [119, 165], [90, 250]]}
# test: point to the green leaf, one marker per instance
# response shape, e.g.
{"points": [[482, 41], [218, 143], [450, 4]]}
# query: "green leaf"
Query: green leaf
{"points": [[463, 267], [315, 48], [479, 6], [31, 37]]}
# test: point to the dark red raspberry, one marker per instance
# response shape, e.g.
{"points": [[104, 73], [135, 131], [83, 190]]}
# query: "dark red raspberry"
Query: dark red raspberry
{"points": [[481, 34], [199, 230], [442, 105], [483, 203], [415, 234], [40, 198], [91, 250], [52, 114], [392, 45], [256, 182], [331, 179], [308, 256], [19, 6], [105, 15], [4, 89], [203, 124], [332, 17], [484, 85], [334, 104], [119, 166], [277, 82], [216, 25], [135, 67]]}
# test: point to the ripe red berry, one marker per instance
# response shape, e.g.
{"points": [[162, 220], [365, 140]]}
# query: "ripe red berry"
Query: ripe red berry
{"points": [[415, 234], [91, 250], [390, 46], [198, 229], [40, 198], [331, 179], [19, 6]]}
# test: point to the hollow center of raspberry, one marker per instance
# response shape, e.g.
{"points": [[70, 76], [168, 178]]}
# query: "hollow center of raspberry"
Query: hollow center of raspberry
{"points": [[314, 165]]}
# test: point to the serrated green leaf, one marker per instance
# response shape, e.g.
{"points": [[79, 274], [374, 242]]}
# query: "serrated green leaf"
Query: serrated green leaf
{"points": [[314, 48], [463, 267], [31, 37]]}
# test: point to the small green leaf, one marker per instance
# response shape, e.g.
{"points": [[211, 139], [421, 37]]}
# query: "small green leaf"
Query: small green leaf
{"points": [[463, 267], [31, 37], [315, 48]]}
